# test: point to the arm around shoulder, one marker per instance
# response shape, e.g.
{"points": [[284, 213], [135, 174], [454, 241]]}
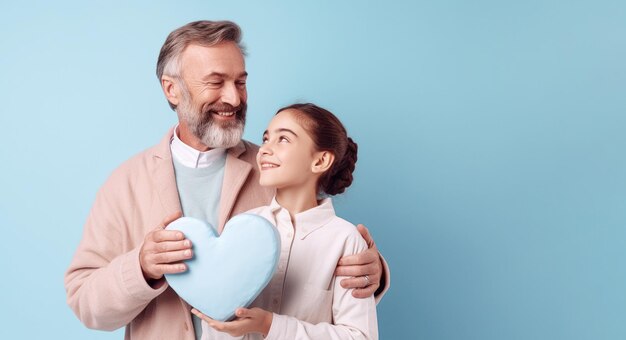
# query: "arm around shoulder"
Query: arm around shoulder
{"points": [[366, 272]]}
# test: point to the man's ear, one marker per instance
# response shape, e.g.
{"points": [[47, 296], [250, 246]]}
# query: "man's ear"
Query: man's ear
{"points": [[322, 162], [170, 90]]}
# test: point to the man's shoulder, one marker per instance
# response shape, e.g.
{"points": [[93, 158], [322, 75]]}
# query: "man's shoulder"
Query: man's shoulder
{"points": [[142, 159], [249, 152], [250, 147], [247, 142], [142, 163]]}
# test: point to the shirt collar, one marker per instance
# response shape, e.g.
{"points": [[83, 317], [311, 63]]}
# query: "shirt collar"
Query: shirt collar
{"points": [[310, 220], [190, 157]]}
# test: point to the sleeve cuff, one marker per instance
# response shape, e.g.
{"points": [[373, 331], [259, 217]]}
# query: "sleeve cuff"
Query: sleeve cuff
{"points": [[278, 323], [133, 280]]}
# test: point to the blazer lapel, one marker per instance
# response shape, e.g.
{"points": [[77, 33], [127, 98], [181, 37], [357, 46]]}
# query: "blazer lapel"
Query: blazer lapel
{"points": [[164, 177], [236, 172]]}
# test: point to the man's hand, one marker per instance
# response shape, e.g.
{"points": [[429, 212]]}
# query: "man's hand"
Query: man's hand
{"points": [[365, 268], [163, 250], [255, 320]]}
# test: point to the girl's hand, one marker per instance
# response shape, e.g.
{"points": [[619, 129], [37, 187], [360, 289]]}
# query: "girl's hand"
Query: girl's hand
{"points": [[255, 320]]}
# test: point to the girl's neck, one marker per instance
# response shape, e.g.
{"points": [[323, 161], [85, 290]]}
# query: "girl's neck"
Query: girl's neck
{"points": [[296, 200]]}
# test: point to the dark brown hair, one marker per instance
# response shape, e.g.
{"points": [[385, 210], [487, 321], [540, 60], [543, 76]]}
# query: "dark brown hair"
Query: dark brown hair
{"points": [[328, 134]]}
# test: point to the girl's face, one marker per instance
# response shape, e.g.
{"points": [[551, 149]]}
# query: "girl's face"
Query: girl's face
{"points": [[287, 156]]}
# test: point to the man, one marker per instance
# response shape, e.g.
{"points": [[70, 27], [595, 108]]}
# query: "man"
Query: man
{"points": [[201, 168]]}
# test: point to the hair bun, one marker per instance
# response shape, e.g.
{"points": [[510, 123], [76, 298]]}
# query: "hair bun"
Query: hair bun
{"points": [[342, 174]]}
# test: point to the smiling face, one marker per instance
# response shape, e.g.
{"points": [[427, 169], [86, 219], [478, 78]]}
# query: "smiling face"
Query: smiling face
{"points": [[287, 158], [210, 94]]}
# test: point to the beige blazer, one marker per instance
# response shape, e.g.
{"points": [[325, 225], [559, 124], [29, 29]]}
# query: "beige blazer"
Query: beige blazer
{"points": [[104, 284]]}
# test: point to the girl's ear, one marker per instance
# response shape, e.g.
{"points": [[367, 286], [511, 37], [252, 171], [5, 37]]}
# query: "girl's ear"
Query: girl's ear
{"points": [[170, 89], [323, 160]]}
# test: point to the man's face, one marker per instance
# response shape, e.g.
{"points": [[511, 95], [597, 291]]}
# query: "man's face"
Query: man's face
{"points": [[213, 94]]}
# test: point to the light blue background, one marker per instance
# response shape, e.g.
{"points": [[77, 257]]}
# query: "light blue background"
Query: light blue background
{"points": [[492, 167]]}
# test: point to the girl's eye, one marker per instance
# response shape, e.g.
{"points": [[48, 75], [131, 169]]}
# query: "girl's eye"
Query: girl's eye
{"points": [[264, 140], [283, 139]]}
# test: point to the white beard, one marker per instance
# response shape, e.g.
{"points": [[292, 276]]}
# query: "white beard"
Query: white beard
{"points": [[210, 132], [215, 136]]}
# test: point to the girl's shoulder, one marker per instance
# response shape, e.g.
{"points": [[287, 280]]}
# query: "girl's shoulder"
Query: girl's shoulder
{"points": [[343, 229], [343, 226]]}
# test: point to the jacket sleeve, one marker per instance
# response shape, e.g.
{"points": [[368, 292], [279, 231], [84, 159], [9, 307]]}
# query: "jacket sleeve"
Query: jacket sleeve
{"points": [[104, 283], [353, 318], [385, 281]]}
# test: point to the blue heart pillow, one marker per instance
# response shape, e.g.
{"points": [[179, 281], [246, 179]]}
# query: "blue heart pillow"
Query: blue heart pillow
{"points": [[227, 271]]}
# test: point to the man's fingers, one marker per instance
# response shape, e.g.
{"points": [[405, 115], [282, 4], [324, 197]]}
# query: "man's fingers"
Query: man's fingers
{"points": [[162, 251], [359, 281], [163, 247], [355, 282], [170, 268], [156, 271], [167, 235], [171, 256], [365, 233], [368, 291], [365, 257], [368, 269]]}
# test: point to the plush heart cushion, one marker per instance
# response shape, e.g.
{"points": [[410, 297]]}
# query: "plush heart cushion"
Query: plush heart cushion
{"points": [[227, 271]]}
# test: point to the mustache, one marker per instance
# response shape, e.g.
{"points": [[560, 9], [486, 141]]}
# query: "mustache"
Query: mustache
{"points": [[224, 107]]}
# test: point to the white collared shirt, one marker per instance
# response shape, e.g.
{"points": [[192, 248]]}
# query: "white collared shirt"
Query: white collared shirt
{"points": [[304, 294], [190, 157]]}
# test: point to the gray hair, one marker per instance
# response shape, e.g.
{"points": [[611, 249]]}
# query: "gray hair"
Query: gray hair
{"points": [[204, 33]]}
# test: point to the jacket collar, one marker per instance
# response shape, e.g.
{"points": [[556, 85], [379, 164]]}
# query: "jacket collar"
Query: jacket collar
{"points": [[236, 172], [163, 175]]}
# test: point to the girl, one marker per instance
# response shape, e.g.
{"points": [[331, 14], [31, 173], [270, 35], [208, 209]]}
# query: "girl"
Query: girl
{"points": [[306, 154]]}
